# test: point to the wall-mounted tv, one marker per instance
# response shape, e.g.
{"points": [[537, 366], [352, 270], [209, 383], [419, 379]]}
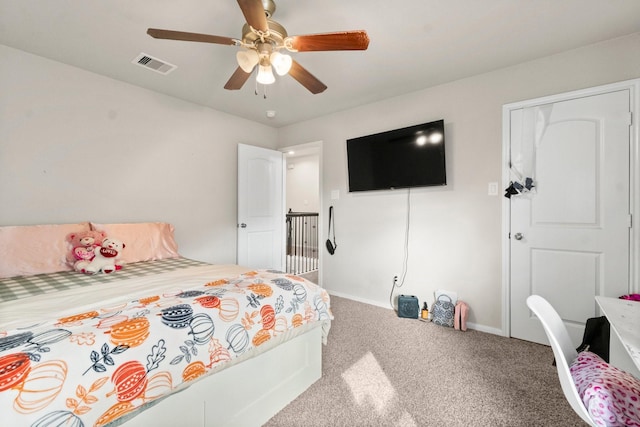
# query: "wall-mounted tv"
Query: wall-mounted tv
{"points": [[401, 158]]}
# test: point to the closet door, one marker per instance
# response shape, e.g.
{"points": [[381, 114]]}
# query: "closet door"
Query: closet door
{"points": [[569, 236]]}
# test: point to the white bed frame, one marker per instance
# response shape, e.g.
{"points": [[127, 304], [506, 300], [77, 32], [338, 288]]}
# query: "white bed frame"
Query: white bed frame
{"points": [[247, 394]]}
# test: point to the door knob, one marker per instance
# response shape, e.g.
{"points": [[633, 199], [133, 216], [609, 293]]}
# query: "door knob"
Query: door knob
{"points": [[243, 225], [518, 236]]}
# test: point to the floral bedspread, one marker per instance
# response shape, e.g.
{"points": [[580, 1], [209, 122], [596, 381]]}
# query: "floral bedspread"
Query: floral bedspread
{"points": [[93, 367]]}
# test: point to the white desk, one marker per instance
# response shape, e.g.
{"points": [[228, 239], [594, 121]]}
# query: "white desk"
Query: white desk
{"points": [[624, 317]]}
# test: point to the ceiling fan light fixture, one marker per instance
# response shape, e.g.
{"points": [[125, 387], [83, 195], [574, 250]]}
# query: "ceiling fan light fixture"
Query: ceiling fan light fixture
{"points": [[265, 75], [247, 59], [281, 62]]}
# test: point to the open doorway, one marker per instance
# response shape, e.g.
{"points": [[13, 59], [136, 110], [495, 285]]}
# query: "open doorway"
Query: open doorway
{"points": [[303, 208]]}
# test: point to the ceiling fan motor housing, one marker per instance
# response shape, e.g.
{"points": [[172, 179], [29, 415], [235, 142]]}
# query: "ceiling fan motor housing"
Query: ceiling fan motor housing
{"points": [[269, 7], [277, 34]]}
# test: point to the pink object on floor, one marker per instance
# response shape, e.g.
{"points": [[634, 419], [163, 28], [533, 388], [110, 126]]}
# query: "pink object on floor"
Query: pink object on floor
{"points": [[461, 313]]}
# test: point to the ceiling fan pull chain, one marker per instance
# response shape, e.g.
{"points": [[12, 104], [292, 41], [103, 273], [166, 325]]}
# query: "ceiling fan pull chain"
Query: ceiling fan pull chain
{"points": [[255, 91], [259, 33]]}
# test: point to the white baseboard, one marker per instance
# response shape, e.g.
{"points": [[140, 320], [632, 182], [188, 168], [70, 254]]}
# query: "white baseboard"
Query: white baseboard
{"points": [[484, 328], [362, 300], [470, 325]]}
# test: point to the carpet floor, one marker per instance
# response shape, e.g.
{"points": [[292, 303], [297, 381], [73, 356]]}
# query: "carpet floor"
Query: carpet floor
{"points": [[381, 370]]}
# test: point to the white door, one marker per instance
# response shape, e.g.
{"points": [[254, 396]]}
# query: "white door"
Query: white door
{"points": [[261, 211], [569, 237]]}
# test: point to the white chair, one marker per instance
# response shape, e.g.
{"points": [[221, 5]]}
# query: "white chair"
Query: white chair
{"points": [[563, 350]]}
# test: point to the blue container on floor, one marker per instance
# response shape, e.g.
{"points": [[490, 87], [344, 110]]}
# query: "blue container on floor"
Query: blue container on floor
{"points": [[408, 306]]}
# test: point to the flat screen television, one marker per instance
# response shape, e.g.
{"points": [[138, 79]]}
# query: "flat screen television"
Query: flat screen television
{"points": [[401, 158]]}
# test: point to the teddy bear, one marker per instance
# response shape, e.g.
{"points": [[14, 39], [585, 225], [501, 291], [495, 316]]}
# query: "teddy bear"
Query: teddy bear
{"points": [[83, 245], [104, 259]]}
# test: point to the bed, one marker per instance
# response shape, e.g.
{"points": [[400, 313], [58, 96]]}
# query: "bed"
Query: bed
{"points": [[163, 341]]}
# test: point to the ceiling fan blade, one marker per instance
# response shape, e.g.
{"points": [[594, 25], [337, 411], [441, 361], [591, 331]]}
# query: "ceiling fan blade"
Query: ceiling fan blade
{"points": [[190, 37], [253, 12], [306, 79], [345, 40], [237, 80]]}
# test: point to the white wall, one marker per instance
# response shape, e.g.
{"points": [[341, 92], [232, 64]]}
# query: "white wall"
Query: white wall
{"points": [[303, 180], [76, 146], [455, 236]]}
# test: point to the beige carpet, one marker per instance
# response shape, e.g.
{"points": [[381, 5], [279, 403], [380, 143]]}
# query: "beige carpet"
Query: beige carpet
{"points": [[381, 370], [311, 276]]}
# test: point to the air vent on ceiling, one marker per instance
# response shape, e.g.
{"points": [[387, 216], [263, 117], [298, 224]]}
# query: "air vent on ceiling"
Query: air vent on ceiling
{"points": [[155, 64]]}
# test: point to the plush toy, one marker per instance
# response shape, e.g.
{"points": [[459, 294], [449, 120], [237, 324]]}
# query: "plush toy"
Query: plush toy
{"points": [[104, 259], [83, 245]]}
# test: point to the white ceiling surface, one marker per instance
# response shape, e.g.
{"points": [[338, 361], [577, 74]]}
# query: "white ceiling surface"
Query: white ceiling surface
{"points": [[414, 44]]}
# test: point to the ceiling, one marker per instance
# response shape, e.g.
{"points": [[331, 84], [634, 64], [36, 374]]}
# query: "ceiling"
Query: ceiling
{"points": [[414, 44]]}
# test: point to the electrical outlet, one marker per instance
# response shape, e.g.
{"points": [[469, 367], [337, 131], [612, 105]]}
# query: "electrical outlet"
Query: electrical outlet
{"points": [[395, 280]]}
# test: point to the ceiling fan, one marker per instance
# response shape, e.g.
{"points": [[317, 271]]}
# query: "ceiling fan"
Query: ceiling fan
{"points": [[262, 41]]}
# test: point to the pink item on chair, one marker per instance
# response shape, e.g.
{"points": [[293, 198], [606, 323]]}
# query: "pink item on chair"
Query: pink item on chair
{"points": [[611, 396]]}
